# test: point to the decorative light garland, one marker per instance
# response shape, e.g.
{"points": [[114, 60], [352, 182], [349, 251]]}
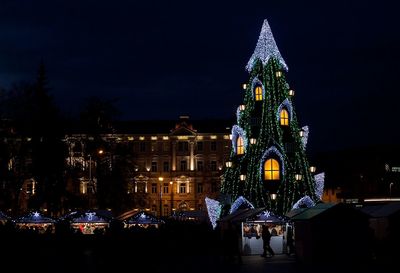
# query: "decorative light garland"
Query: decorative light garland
{"points": [[214, 210], [305, 201], [319, 184], [266, 49], [238, 202]]}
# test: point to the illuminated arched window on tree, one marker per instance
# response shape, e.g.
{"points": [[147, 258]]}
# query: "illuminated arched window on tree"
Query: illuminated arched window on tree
{"points": [[239, 146], [271, 169], [284, 117], [258, 93]]}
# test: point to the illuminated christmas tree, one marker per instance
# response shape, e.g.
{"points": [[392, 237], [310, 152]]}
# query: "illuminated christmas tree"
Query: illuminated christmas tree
{"points": [[268, 163]]}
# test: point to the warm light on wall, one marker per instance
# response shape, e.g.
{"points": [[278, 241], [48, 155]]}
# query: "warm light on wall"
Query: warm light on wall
{"points": [[161, 178]]}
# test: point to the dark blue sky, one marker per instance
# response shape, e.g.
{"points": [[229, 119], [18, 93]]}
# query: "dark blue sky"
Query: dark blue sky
{"points": [[161, 59]]}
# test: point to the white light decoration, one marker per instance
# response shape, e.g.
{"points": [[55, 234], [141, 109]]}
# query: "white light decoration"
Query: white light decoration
{"points": [[304, 202], [228, 164], [239, 202], [304, 138], [298, 177], [253, 141], [244, 86], [242, 177], [214, 210], [278, 74], [313, 169], [319, 184], [90, 215], [291, 92], [242, 107], [36, 214], [266, 48]]}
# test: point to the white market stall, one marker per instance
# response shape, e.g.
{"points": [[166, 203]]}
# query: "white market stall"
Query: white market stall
{"points": [[89, 222], [36, 222], [252, 226]]}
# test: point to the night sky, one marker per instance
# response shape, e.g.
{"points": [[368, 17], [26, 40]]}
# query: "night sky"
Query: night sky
{"points": [[162, 59]]}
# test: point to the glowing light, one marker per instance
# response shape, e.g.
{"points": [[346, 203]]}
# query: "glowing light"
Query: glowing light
{"points": [[304, 138], [214, 210], [305, 201], [319, 184], [239, 202], [266, 49]]}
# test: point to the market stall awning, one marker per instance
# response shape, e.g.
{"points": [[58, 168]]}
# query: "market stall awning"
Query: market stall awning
{"points": [[34, 218], [88, 217], [142, 218]]}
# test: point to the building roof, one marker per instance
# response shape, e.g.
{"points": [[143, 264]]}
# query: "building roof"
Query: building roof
{"points": [[382, 210]]}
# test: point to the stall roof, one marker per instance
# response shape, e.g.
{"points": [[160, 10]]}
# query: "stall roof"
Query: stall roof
{"points": [[382, 210], [90, 216], [34, 218], [313, 211], [294, 212], [143, 217], [3, 216], [235, 214]]}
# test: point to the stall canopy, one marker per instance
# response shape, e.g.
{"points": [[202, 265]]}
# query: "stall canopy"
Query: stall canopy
{"points": [[34, 218], [3, 217], [143, 218], [89, 217], [254, 215]]}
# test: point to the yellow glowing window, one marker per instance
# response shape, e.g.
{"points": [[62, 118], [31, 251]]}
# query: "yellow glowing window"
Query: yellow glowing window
{"points": [[258, 93], [239, 146], [284, 117], [271, 169]]}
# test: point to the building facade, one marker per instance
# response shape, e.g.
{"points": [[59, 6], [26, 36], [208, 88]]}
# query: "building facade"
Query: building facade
{"points": [[165, 170]]}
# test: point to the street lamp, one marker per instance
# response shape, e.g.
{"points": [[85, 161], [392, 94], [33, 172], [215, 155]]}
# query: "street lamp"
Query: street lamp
{"points": [[390, 189], [172, 195], [161, 179]]}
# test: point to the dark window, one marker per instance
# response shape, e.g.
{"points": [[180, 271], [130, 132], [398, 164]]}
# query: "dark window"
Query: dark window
{"points": [[183, 165], [200, 146], [154, 188], [213, 165], [153, 166], [183, 146], [200, 166], [142, 146], [213, 145], [166, 166], [200, 188], [165, 188]]}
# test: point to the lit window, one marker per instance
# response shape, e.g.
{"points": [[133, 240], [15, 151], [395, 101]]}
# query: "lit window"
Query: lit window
{"points": [[284, 117], [258, 93], [239, 146], [271, 169]]}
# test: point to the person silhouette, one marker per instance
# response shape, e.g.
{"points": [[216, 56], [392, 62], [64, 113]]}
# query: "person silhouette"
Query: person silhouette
{"points": [[266, 236]]}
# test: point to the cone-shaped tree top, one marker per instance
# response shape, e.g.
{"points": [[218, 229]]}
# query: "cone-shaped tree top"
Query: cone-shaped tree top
{"points": [[266, 48]]}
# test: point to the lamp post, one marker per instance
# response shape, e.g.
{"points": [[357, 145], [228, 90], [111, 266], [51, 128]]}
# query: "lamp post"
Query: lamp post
{"points": [[172, 195], [161, 179], [390, 189]]}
